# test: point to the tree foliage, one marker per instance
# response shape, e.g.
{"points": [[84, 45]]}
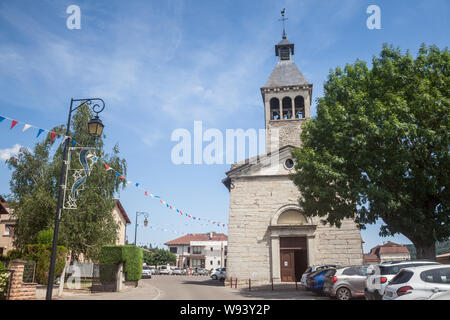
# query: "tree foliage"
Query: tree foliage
{"points": [[159, 257], [34, 187], [379, 147]]}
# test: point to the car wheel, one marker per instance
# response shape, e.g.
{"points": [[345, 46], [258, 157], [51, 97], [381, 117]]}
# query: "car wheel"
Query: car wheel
{"points": [[343, 294], [214, 277]]}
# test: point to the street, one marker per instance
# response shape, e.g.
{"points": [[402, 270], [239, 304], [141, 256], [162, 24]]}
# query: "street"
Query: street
{"points": [[164, 287]]}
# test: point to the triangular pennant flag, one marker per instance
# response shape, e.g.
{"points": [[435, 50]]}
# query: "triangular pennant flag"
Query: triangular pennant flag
{"points": [[146, 193], [73, 143], [26, 127], [53, 136], [39, 132], [122, 177], [13, 123], [2, 118], [107, 167], [137, 184], [117, 174]]}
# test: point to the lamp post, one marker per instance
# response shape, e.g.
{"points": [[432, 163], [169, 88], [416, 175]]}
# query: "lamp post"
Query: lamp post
{"points": [[95, 127], [139, 213]]}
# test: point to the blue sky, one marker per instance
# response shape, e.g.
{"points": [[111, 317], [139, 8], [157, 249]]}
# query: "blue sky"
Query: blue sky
{"points": [[160, 65]]}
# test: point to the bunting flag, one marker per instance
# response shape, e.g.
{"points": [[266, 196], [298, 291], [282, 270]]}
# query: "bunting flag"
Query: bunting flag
{"points": [[13, 124], [39, 132], [27, 126]]}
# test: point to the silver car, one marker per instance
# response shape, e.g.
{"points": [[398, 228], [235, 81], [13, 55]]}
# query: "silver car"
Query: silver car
{"points": [[312, 269], [346, 283]]}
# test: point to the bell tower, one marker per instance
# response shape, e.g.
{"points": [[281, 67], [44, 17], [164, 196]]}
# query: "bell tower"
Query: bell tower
{"points": [[287, 98]]}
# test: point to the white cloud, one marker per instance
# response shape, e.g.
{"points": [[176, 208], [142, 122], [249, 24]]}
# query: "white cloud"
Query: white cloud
{"points": [[5, 154]]}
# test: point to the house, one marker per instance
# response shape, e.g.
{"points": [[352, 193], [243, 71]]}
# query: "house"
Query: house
{"points": [[269, 238], [389, 251], [208, 250], [122, 219], [7, 224], [6, 228]]}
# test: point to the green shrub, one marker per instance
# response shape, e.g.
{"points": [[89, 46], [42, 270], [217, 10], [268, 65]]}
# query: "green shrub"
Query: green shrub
{"points": [[45, 237], [131, 257], [14, 254], [41, 254]]}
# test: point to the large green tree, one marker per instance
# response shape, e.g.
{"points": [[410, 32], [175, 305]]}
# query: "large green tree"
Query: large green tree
{"points": [[379, 147], [34, 187]]}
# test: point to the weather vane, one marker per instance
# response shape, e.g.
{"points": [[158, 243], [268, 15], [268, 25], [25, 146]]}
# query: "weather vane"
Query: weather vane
{"points": [[283, 19]]}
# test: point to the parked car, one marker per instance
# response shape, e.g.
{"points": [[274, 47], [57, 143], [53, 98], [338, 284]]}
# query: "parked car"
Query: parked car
{"points": [[315, 280], [383, 273], [419, 283], [218, 273], [202, 272], [177, 271], [146, 272], [154, 270], [346, 283], [312, 269], [222, 274], [165, 270]]}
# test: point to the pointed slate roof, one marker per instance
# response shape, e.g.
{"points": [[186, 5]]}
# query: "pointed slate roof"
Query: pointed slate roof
{"points": [[285, 73]]}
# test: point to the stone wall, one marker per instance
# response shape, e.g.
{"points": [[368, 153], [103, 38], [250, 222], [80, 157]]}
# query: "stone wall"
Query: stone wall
{"points": [[18, 289], [253, 203]]}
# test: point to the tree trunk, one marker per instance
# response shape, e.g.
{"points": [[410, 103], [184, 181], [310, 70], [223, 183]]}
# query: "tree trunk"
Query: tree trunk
{"points": [[425, 250]]}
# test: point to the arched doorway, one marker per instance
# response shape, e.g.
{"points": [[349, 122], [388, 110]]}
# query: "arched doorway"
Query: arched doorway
{"points": [[292, 244]]}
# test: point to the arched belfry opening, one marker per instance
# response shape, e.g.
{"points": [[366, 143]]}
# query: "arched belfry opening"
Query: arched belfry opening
{"points": [[274, 109], [287, 108], [299, 103]]}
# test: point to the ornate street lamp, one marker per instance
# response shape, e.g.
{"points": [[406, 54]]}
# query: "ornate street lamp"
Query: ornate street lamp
{"points": [[97, 105], [138, 213]]}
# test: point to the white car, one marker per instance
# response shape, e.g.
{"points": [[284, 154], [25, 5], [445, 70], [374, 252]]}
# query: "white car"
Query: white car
{"points": [[419, 283], [218, 273], [179, 271], [165, 270], [382, 273], [146, 272]]}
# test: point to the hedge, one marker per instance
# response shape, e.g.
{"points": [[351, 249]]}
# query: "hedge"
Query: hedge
{"points": [[131, 256], [41, 254]]}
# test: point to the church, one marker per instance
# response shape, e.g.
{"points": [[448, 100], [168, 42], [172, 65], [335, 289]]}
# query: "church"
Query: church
{"points": [[268, 239]]}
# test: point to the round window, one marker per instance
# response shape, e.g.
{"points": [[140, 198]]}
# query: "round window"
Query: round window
{"points": [[289, 163]]}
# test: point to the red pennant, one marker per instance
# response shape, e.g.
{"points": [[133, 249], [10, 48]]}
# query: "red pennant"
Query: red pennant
{"points": [[160, 201], [122, 177], [14, 122], [107, 167], [146, 193], [53, 136], [170, 207]]}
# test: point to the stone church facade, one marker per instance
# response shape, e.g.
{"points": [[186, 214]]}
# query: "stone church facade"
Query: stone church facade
{"points": [[268, 238]]}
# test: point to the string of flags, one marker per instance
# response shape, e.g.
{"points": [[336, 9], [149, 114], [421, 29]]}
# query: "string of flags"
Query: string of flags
{"points": [[27, 126]]}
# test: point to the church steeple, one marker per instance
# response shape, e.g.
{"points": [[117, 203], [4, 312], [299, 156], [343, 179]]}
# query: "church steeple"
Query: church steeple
{"points": [[284, 49], [287, 97]]}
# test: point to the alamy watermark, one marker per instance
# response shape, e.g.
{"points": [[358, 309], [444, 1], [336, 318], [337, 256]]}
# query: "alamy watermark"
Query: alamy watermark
{"points": [[374, 20], [211, 146], [74, 20]]}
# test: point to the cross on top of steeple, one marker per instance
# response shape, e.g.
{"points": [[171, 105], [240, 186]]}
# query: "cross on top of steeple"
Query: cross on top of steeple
{"points": [[283, 19]]}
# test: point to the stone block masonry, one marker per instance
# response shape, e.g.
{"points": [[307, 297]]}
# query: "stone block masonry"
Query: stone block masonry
{"points": [[18, 289]]}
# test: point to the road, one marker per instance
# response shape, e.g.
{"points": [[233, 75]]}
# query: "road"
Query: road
{"points": [[165, 287]]}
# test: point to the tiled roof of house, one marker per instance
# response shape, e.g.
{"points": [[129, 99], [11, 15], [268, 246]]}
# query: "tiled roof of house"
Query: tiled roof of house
{"points": [[388, 247], [186, 239], [122, 211], [3, 206]]}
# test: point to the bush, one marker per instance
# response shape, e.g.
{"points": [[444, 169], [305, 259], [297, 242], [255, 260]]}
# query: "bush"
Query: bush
{"points": [[41, 254], [131, 257], [45, 237], [14, 254], [4, 281]]}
